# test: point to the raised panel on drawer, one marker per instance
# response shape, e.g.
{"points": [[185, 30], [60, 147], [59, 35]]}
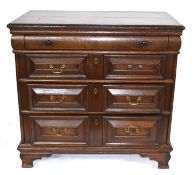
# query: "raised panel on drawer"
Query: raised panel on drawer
{"points": [[133, 98], [56, 66], [131, 130], [51, 97], [96, 42], [134, 66], [68, 130]]}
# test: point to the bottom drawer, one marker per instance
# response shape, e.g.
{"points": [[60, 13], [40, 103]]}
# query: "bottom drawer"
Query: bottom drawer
{"points": [[135, 130], [69, 130]]}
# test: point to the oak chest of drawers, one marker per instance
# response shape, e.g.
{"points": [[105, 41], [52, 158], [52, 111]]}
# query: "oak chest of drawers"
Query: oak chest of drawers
{"points": [[95, 82]]}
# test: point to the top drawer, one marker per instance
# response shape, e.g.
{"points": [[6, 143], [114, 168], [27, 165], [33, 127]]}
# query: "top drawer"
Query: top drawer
{"points": [[133, 43]]}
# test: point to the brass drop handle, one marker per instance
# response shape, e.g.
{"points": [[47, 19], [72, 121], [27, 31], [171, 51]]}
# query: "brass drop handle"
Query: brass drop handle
{"points": [[133, 103], [132, 67], [133, 129], [59, 132], [140, 66], [96, 60], [57, 70], [57, 99], [95, 91]]}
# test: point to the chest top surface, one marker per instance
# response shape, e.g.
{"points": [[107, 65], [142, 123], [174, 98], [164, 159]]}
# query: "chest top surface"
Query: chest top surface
{"points": [[95, 18]]}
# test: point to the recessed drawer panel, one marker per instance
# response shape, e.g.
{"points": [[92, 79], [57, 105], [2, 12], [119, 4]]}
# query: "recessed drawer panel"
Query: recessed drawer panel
{"points": [[96, 42], [60, 130], [133, 98], [57, 97], [134, 66], [56, 66], [131, 130]]}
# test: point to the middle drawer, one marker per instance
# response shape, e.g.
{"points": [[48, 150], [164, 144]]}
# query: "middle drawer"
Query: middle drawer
{"points": [[134, 98]]}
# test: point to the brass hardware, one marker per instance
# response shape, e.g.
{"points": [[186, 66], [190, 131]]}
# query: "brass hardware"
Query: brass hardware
{"points": [[134, 67], [134, 103], [95, 91], [57, 71], [96, 60], [57, 99], [132, 129], [140, 66], [59, 132], [130, 66], [96, 122]]}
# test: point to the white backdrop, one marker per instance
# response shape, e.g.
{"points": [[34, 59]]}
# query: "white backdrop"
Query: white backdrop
{"points": [[183, 124]]}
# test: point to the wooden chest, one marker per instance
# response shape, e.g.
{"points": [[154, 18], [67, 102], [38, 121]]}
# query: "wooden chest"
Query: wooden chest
{"points": [[95, 82]]}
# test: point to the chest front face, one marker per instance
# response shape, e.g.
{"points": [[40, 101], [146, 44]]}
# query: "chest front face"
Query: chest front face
{"points": [[96, 84]]}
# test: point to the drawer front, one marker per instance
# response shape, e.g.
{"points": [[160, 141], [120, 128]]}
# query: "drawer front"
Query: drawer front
{"points": [[69, 130], [57, 97], [134, 130], [96, 42], [133, 98], [134, 66], [56, 66]]}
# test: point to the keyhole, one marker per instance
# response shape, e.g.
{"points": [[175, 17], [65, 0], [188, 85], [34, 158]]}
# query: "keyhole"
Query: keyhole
{"points": [[96, 122], [95, 91]]}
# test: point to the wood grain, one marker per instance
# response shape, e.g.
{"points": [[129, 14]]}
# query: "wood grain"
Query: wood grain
{"points": [[95, 82]]}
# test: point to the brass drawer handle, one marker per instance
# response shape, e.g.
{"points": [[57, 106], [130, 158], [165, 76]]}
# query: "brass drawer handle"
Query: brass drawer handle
{"points": [[59, 132], [57, 71], [132, 129], [140, 66], [133, 103], [130, 66], [57, 99], [134, 67], [96, 60], [95, 91]]}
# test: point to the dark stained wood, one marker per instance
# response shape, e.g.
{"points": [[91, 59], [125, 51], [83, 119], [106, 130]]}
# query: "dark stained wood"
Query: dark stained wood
{"points": [[95, 67], [95, 82], [89, 81], [27, 159], [134, 130], [95, 43], [47, 97], [96, 131], [103, 18], [95, 98], [68, 130], [135, 66], [56, 66], [133, 98], [17, 41], [161, 158]]}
